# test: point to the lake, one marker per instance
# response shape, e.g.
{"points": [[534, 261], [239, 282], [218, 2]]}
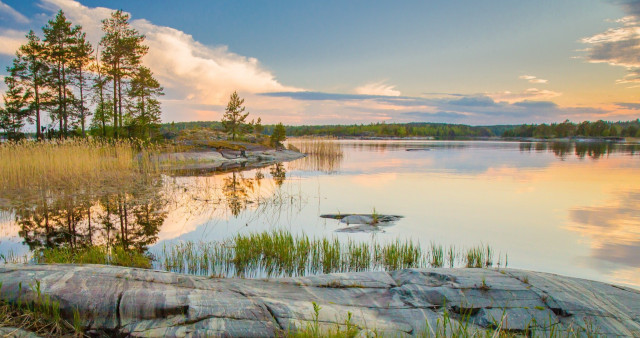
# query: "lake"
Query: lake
{"points": [[566, 208]]}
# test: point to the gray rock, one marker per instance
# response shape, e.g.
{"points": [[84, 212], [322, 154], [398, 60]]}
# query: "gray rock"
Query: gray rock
{"points": [[16, 333], [369, 219], [205, 161], [136, 302]]}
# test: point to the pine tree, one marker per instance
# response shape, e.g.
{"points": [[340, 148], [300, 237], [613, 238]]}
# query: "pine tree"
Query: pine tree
{"points": [[104, 106], [32, 71], [80, 60], [144, 108], [123, 50], [59, 36], [258, 128], [12, 116], [278, 136], [234, 116]]}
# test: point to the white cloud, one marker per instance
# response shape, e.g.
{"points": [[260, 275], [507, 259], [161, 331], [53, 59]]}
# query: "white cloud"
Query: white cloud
{"points": [[532, 79], [618, 46], [529, 94], [11, 40], [377, 88], [190, 71], [15, 15]]}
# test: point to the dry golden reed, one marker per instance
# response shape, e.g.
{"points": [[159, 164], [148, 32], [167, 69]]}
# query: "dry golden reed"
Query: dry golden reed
{"points": [[29, 165], [323, 154]]}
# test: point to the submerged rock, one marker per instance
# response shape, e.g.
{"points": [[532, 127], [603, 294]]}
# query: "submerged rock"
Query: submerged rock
{"points": [[126, 301], [371, 219]]}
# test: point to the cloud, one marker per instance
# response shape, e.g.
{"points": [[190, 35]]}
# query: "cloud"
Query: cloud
{"points": [[613, 228], [198, 79], [469, 109], [536, 104], [321, 96], [189, 70], [7, 11], [474, 101], [529, 94], [532, 79], [630, 6], [378, 88], [11, 40], [619, 46], [628, 105], [441, 115]]}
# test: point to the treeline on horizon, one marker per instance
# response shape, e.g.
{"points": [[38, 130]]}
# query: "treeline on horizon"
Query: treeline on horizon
{"points": [[64, 76], [443, 131]]}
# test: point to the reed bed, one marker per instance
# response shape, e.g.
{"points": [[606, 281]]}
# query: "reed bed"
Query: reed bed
{"points": [[29, 165], [323, 154], [279, 253]]}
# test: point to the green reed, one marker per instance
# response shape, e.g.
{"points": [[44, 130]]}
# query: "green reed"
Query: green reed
{"points": [[97, 254], [281, 253]]}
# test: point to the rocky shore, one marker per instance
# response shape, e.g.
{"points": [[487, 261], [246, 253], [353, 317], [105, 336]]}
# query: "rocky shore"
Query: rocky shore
{"points": [[224, 160], [135, 302]]}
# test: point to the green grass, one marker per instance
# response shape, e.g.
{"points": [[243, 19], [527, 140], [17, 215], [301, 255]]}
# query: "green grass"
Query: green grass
{"points": [[93, 255], [280, 253], [33, 311], [447, 325]]}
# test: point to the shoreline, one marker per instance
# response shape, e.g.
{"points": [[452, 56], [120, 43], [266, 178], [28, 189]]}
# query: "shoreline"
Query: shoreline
{"points": [[137, 302], [616, 140], [227, 160]]}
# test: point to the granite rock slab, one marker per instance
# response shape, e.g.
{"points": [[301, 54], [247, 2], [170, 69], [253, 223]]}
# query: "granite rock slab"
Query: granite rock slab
{"points": [[146, 303]]}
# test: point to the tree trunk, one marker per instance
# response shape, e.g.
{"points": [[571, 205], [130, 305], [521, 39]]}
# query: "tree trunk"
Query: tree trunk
{"points": [[36, 90], [82, 117], [115, 107], [120, 99], [64, 101], [89, 220], [60, 98]]}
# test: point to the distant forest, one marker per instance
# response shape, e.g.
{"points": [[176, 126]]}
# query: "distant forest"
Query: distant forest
{"points": [[442, 131]]}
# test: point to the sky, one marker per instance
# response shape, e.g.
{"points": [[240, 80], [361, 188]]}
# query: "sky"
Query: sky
{"points": [[344, 62]]}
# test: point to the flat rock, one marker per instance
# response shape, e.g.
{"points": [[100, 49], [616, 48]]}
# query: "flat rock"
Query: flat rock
{"points": [[370, 219], [224, 160], [146, 303]]}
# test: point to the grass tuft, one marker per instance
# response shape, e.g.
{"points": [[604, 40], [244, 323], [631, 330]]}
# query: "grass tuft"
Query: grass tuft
{"points": [[280, 253]]}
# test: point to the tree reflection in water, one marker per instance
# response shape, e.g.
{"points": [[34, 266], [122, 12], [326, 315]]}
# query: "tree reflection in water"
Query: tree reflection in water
{"points": [[128, 214], [582, 149], [237, 191]]}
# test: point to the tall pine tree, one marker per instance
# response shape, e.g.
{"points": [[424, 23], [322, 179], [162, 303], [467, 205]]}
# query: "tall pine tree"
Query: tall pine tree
{"points": [[81, 58], [144, 107], [32, 71], [123, 50], [59, 37]]}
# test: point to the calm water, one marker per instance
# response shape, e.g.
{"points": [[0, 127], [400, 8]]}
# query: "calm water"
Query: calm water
{"points": [[572, 209]]}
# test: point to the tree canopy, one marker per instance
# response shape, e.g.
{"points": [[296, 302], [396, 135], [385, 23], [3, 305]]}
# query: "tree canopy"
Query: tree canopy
{"points": [[234, 117], [59, 74]]}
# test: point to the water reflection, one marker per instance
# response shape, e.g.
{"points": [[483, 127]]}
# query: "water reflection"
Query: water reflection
{"points": [[278, 173], [130, 213], [237, 190], [517, 197], [581, 149], [614, 229], [129, 218], [324, 155]]}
